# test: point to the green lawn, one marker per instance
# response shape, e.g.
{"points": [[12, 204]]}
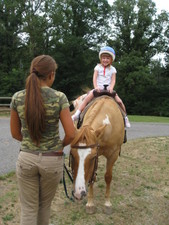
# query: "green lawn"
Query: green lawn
{"points": [[154, 119], [132, 118]]}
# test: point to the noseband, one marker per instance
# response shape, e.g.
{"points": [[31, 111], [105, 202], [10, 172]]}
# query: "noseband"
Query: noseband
{"points": [[86, 146], [94, 174]]}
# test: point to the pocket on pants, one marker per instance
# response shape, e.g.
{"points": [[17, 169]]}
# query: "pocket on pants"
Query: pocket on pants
{"points": [[55, 169], [24, 169]]}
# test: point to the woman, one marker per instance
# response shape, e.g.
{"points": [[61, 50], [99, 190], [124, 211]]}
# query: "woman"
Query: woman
{"points": [[35, 114]]}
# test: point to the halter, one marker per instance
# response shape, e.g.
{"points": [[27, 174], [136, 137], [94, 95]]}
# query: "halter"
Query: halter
{"points": [[86, 146], [93, 177]]}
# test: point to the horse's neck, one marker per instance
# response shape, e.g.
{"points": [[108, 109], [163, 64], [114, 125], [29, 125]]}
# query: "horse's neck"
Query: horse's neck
{"points": [[93, 111]]}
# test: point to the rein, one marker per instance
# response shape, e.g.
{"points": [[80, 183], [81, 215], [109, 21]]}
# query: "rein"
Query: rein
{"points": [[93, 177], [64, 182]]}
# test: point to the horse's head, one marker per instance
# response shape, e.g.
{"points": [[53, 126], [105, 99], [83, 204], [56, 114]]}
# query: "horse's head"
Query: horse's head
{"points": [[84, 156]]}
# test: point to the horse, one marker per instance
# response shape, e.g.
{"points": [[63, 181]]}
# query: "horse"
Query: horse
{"points": [[101, 133]]}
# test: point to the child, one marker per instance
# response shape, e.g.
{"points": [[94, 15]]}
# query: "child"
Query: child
{"points": [[104, 74]]}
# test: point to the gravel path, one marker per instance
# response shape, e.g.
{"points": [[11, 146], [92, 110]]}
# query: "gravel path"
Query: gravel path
{"points": [[9, 147]]}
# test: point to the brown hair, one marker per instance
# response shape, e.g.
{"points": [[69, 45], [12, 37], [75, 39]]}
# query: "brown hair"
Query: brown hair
{"points": [[41, 67]]}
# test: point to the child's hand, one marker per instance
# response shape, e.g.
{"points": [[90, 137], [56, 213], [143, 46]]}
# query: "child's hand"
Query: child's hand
{"points": [[97, 89], [110, 89]]}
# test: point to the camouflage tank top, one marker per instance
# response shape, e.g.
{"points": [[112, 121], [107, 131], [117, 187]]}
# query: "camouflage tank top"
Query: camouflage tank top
{"points": [[54, 102]]}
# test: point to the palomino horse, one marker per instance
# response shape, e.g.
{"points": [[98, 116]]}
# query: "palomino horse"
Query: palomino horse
{"points": [[102, 133]]}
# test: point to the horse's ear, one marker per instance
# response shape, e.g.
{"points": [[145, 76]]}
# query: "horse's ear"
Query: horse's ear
{"points": [[99, 132]]}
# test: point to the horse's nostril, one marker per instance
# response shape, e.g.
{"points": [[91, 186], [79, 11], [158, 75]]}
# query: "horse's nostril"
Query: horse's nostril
{"points": [[83, 193]]}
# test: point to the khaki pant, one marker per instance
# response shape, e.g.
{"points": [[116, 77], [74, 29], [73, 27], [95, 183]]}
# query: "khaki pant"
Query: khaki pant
{"points": [[38, 177]]}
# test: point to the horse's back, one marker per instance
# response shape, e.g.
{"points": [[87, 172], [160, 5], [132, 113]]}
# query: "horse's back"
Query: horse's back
{"points": [[105, 111]]}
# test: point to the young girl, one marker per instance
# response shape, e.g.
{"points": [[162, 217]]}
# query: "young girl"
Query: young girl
{"points": [[104, 74]]}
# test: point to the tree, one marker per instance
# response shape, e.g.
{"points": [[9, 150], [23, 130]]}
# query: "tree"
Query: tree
{"points": [[136, 39], [10, 51], [79, 28], [70, 31]]}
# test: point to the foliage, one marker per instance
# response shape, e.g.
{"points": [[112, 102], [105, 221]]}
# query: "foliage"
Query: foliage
{"points": [[73, 32], [137, 34]]}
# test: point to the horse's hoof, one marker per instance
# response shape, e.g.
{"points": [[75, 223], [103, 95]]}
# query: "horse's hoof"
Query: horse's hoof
{"points": [[108, 210], [90, 209]]}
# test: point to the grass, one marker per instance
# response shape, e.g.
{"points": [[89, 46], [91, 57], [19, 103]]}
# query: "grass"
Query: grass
{"points": [[139, 190], [4, 111], [4, 114], [153, 119], [4, 177], [132, 118]]}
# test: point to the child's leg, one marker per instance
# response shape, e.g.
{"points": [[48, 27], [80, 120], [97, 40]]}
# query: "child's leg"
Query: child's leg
{"points": [[119, 101], [88, 98], [122, 106]]}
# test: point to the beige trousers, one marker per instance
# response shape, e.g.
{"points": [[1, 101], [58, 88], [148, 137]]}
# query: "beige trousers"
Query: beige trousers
{"points": [[38, 177]]}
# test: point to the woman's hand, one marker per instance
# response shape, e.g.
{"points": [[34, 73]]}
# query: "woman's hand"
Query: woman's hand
{"points": [[68, 126]]}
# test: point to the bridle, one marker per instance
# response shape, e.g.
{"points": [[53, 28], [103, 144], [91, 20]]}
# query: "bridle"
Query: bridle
{"points": [[94, 174], [85, 146], [70, 174]]}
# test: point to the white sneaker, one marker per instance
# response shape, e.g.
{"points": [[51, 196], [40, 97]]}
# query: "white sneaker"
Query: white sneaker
{"points": [[127, 123], [75, 117]]}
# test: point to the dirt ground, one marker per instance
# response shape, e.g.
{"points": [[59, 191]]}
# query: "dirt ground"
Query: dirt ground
{"points": [[139, 193]]}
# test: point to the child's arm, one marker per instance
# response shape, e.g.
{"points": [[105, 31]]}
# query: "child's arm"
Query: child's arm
{"points": [[113, 82], [95, 74]]}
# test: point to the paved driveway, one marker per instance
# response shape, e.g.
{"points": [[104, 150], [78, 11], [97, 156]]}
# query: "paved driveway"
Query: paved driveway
{"points": [[9, 147]]}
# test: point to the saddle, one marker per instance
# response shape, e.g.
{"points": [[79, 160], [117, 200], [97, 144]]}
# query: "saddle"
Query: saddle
{"points": [[96, 95], [104, 92]]}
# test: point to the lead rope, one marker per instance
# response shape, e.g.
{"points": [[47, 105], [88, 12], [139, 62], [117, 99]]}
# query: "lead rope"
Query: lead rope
{"points": [[64, 182], [93, 177]]}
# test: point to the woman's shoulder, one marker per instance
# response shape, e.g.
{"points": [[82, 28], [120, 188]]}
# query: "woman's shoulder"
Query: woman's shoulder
{"points": [[52, 95], [19, 94], [61, 98], [18, 99], [55, 93]]}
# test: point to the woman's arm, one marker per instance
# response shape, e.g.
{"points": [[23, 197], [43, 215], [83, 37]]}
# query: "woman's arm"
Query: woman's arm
{"points": [[68, 126], [15, 125]]}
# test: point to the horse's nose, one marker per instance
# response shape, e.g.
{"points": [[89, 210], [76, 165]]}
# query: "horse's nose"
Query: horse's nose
{"points": [[83, 194]]}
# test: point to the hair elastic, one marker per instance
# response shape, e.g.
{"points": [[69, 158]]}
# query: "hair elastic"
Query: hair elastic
{"points": [[35, 71]]}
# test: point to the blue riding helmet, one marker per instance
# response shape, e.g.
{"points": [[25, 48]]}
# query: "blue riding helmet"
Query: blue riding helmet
{"points": [[107, 50]]}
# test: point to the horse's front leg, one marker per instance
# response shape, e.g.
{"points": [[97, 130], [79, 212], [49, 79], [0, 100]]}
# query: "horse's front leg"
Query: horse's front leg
{"points": [[90, 207], [108, 179]]}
